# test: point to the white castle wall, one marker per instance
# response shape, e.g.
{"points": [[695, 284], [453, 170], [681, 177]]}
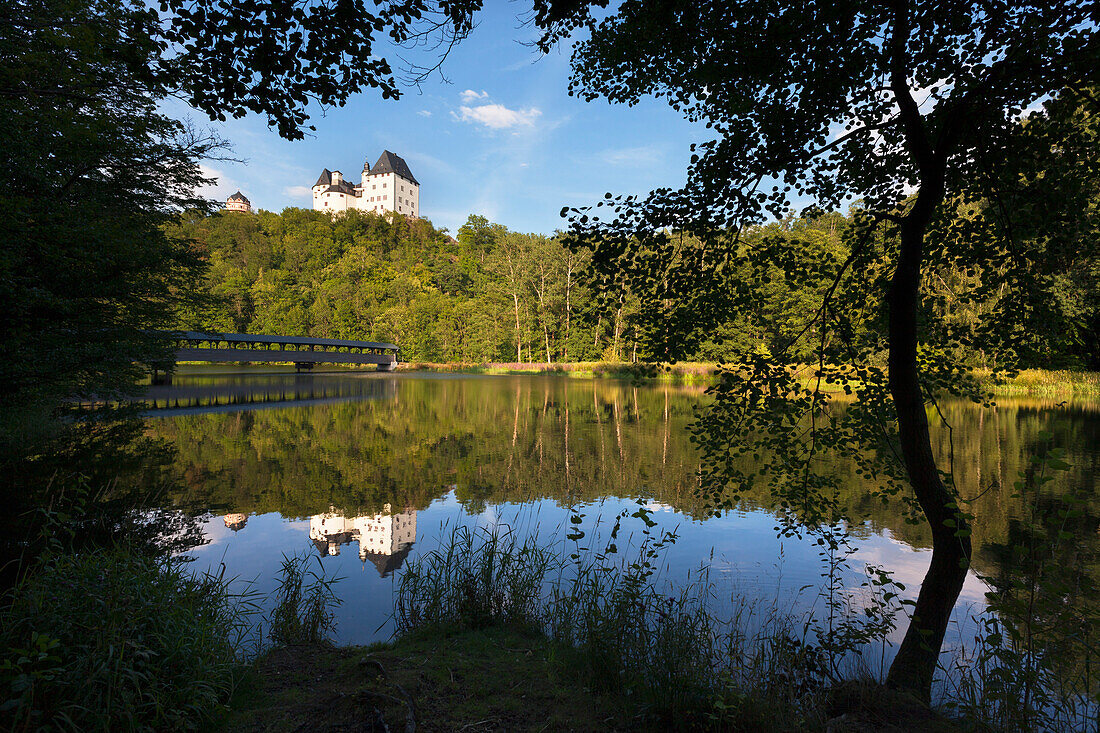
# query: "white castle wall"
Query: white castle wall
{"points": [[377, 193]]}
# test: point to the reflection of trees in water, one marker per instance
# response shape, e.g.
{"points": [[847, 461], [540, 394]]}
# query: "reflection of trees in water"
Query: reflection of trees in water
{"points": [[521, 439]]}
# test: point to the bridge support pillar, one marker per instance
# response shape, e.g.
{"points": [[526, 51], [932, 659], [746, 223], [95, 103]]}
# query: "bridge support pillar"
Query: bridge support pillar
{"points": [[388, 367], [303, 366], [161, 376]]}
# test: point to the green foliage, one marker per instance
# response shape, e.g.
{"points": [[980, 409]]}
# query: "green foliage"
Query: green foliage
{"points": [[499, 296], [91, 170], [115, 640], [486, 296], [280, 44]]}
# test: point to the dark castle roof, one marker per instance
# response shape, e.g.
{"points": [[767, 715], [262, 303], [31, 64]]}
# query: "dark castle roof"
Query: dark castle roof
{"points": [[391, 163], [238, 197], [337, 538], [342, 187], [325, 179], [387, 564]]}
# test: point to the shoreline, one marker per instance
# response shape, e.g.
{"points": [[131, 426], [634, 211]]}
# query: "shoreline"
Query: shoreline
{"points": [[1026, 383], [524, 681]]}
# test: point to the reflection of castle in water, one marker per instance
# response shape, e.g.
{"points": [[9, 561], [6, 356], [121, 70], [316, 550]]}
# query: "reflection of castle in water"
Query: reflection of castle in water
{"points": [[384, 539], [235, 521]]}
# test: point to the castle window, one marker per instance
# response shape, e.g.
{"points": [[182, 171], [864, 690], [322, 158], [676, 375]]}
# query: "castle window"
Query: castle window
{"points": [[383, 184]]}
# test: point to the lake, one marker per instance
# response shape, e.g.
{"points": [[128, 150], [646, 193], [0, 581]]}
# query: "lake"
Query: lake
{"points": [[367, 471]]}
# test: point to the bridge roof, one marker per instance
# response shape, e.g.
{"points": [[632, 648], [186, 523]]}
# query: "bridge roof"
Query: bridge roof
{"points": [[252, 338]]}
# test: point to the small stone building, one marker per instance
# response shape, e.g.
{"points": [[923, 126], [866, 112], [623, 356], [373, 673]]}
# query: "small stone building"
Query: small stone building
{"points": [[238, 202]]}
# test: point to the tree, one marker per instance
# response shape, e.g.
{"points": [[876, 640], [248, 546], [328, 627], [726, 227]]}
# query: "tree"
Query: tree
{"points": [[94, 174], [511, 262], [91, 171], [903, 105]]}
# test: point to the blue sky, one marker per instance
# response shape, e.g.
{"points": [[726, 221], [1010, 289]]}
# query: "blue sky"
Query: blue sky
{"points": [[504, 120]]}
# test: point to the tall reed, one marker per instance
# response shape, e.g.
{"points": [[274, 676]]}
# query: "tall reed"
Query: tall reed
{"points": [[302, 612], [687, 659], [670, 654]]}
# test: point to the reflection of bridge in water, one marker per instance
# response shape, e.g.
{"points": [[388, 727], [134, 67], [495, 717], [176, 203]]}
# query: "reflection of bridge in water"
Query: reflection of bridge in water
{"points": [[274, 391], [384, 538]]}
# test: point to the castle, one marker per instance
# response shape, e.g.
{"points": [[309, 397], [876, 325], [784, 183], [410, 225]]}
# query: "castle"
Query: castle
{"points": [[238, 202], [387, 186]]}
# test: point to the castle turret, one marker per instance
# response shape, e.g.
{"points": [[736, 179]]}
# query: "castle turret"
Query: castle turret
{"points": [[238, 202]]}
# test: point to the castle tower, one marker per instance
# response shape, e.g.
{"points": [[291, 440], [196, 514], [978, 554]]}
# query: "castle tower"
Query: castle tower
{"points": [[389, 185], [238, 202], [235, 521]]}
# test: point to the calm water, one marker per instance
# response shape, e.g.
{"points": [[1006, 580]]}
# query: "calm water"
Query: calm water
{"points": [[366, 471]]}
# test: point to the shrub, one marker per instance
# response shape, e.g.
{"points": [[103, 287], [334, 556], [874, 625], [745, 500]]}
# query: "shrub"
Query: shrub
{"points": [[116, 640]]}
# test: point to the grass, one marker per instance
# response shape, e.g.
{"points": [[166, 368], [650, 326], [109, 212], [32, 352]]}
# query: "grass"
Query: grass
{"points": [[303, 603], [1042, 382], [681, 372], [117, 640], [500, 678], [662, 661], [498, 633], [668, 661]]}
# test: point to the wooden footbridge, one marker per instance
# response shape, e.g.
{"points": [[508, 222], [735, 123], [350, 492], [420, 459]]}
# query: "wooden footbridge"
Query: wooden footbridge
{"points": [[301, 351]]}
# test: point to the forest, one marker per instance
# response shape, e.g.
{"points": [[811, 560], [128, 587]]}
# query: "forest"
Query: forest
{"points": [[489, 294]]}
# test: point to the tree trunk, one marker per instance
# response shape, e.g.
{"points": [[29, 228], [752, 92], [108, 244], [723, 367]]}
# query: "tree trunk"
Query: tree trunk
{"points": [[519, 348], [616, 330], [916, 660], [568, 307]]}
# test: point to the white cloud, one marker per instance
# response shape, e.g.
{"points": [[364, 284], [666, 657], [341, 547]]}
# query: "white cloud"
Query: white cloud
{"points": [[222, 186], [297, 192], [640, 156], [498, 117], [424, 113], [471, 96]]}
